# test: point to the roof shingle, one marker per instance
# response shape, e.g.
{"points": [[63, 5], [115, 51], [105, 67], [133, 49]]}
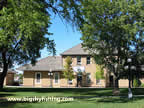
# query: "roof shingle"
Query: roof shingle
{"points": [[76, 50], [53, 63]]}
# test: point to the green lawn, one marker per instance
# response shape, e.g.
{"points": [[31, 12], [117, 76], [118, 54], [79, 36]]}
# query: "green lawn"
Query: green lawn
{"points": [[98, 101]]}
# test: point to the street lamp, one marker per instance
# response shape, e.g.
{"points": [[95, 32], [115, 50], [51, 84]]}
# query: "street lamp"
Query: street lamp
{"points": [[129, 68], [50, 73]]}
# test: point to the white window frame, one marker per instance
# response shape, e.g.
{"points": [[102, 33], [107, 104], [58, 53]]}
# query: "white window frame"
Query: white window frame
{"points": [[58, 77], [79, 63], [70, 82], [36, 77], [88, 60]]}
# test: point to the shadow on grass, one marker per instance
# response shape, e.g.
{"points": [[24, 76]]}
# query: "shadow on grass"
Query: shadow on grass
{"points": [[81, 92], [79, 101], [6, 94], [72, 91], [75, 91], [53, 89], [119, 100], [7, 105], [112, 100]]}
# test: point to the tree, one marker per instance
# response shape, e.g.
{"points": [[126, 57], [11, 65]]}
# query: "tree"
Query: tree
{"points": [[136, 82], [112, 28], [68, 72], [99, 72], [24, 29], [19, 78]]}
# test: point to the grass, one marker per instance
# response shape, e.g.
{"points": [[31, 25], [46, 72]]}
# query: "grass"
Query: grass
{"points": [[58, 92], [97, 101], [76, 105]]}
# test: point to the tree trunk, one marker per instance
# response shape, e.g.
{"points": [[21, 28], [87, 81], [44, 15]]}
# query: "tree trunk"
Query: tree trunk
{"points": [[1, 81], [116, 84], [5, 69], [3, 75], [116, 91], [129, 77], [132, 80]]}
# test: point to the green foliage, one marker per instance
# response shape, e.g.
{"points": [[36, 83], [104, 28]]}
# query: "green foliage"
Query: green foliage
{"points": [[68, 72], [111, 29], [20, 78], [142, 85], [136, 82], [24, 27], [99, 72]]}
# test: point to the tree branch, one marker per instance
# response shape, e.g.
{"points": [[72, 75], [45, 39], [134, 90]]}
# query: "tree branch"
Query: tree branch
{"points": [[55, 10], [13, 51]]}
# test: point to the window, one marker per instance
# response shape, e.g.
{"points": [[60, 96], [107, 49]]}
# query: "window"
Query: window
{"points": [[79, 60], [38, 78], [69, 81], [56, 77], [88, 60], [98, 82], [88, 78]]}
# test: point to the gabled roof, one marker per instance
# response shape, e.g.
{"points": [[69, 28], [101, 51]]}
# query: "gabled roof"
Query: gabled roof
{"points": [[53, 63], [9, 70], [76, 50]]}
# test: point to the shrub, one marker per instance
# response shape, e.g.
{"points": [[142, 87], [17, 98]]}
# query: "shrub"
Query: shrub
{"points": [[99, 72], [142, 85], [136, 83]]}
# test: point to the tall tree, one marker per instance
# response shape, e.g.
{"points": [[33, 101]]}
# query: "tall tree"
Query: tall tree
{"points": [[99, 72], [24, 28], [68, 72], [110, 31]]}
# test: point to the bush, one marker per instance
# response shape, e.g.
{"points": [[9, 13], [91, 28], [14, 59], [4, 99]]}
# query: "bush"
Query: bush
{"points": [[142, 85], [136, 83]]}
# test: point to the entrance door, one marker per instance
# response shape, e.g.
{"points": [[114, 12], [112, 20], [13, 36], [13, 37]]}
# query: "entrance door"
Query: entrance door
{"points": [[111, 81], [79, 80]]}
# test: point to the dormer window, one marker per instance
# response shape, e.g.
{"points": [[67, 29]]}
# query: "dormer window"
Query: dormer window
{"points": [[88, 60], [78, 60]]}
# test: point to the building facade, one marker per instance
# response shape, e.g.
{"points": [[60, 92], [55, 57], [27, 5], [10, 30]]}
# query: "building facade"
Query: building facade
{"points": [[48, 72], [9, 79]]}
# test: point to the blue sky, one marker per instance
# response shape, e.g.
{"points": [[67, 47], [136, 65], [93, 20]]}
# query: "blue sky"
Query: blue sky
{"points": [[64, 36]]}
